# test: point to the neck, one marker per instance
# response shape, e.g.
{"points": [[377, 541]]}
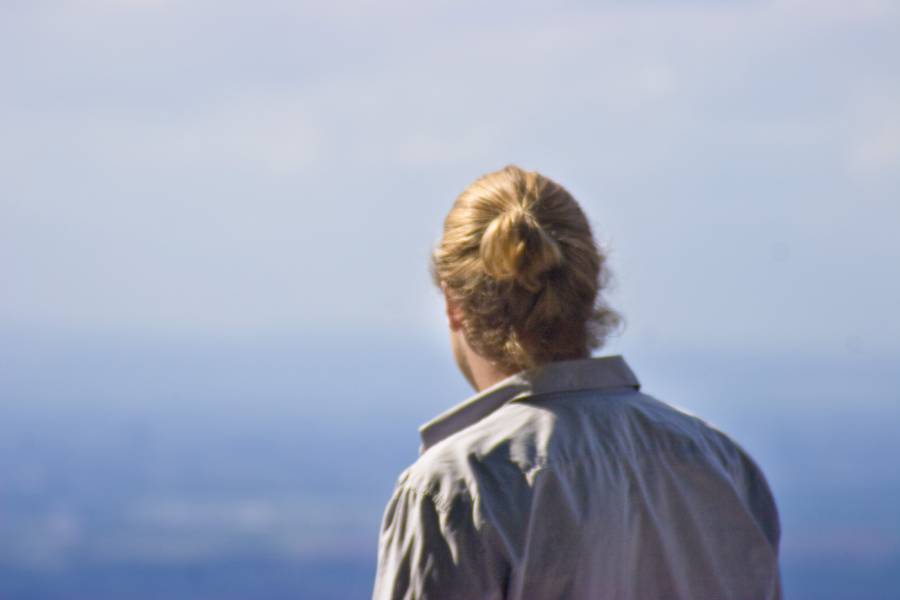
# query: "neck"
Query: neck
{"points": [[486, 374], [479, 371]]}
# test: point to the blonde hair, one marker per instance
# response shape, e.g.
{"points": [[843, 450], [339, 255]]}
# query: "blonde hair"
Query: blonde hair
{"points": [[518, 254]]}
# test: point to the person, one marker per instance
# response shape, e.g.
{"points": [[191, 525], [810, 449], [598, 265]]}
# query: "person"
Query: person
{"points": [[560, 478]]}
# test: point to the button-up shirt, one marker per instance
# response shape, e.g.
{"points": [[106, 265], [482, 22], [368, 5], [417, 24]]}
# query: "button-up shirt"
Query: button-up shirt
{"points": [[567, 482]]}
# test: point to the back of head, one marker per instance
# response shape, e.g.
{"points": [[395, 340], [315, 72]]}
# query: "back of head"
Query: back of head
{"points": [[518, 255]]}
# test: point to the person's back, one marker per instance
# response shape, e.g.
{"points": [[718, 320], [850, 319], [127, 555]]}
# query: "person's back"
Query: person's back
{"points": [[564, 481]]}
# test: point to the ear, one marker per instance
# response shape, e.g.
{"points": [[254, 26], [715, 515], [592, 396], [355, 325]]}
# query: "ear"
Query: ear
{"points": [[454, 312]]}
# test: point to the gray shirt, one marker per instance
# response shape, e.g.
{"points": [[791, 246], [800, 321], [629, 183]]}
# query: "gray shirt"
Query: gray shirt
{"points": [[567, 482]]}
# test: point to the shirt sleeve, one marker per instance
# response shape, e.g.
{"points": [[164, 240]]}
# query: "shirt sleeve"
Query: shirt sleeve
{"points": [[433, 549]]}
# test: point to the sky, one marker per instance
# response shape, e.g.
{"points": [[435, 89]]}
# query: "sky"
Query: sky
{"points": [[250, 169]]}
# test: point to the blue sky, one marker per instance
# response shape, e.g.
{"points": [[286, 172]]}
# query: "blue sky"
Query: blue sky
{"points": [[245, 169]]}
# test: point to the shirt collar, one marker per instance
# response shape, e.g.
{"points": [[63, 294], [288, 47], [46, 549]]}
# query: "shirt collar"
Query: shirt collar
{"points": [[561, 376]]}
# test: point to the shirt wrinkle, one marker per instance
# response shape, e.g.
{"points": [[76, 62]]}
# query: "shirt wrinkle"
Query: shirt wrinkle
{"points": [[443, 502]]}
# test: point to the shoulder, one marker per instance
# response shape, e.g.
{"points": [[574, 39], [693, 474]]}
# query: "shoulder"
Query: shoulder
{"points": [[517, 440], [496, 451], [721, 452]]}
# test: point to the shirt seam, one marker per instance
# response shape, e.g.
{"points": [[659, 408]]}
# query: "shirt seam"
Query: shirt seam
{"points": [[469, 495]]}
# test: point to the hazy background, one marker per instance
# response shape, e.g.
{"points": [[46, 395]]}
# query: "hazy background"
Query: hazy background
{"points": [[217, 330]]}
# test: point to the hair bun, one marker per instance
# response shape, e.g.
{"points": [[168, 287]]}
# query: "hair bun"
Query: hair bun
{"points": [[518, 256], [516, 247]]}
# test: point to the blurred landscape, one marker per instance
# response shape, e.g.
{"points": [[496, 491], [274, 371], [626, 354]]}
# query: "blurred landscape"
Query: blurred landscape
{"points": [[176, 468], [218, 335]]}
